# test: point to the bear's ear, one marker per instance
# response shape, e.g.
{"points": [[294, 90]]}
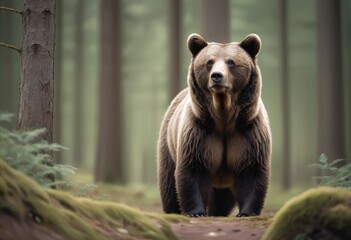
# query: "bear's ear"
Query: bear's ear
{"points": [[251, 44], [196, 43]]}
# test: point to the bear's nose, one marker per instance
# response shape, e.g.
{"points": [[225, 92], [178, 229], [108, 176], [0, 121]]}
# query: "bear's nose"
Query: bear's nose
{"points": [[217, 77]]}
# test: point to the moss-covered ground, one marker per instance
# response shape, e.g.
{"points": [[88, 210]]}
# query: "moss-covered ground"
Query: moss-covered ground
{"points": [[319, 213], [28, 211], [147, 197], [54, 214]]}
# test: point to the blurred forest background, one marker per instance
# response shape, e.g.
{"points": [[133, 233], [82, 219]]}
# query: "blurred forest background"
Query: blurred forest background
{"points": [[307, 97]]}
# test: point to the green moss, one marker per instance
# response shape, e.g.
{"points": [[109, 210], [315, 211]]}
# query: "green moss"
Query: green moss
{"points": [[248, 219], [77, 218], [319, 213], [174, 218]]}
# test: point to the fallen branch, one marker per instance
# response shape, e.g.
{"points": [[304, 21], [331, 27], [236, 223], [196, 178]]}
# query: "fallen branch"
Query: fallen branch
{"points": [[10, 46], [10, 10]]}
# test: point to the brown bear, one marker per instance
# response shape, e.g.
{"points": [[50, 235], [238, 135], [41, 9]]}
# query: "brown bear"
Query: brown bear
{"points": [[214, 146]]}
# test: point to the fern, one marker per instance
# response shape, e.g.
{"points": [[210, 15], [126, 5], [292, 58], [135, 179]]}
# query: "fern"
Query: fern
{"points": [[335, 176], [21, 151]]}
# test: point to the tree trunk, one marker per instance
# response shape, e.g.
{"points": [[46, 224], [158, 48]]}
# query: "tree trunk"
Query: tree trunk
{"points": [[109, 162], [346, 48], [58, 79], [286, 175], [215, 20], [8, 62], [175, 33], [78, 84], [6, 76], [37, 67], [330, 86]]}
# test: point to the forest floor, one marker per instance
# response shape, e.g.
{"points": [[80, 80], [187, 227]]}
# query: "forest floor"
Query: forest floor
{"points": [[28, 211], [232, 228], [146, 198]]}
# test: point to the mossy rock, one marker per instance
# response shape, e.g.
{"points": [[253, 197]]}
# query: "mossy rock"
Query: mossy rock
{"points": [[322, 213], [28, 211]]}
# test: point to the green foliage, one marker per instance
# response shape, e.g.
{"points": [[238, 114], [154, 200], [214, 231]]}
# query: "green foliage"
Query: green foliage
{"points": [[302, 236], [85, 190], [22, 151], [335, 176]]}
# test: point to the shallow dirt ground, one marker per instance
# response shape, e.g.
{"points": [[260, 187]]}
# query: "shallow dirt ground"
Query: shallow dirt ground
{"points": [[224, 228]]}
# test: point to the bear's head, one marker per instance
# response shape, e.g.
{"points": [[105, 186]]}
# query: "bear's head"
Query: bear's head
{"points": [[224, 78]]}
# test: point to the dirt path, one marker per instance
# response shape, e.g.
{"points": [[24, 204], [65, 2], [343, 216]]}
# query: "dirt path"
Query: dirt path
{"points": [[231, 228]]}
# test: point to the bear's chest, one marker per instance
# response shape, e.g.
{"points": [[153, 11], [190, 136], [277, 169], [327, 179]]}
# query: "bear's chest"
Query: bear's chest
{"points": [[224, 156]]}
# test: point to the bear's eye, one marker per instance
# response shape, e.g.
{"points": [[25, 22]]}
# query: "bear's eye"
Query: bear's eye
{"points": [[230, 63], [209, 63]]}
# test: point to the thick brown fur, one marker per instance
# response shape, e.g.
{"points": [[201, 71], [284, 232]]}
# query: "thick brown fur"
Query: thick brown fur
{"points": [[214, 147]]}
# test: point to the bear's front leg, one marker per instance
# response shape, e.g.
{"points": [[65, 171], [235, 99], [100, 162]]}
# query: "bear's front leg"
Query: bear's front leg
{"points": [[193, 184], [251, 188]]}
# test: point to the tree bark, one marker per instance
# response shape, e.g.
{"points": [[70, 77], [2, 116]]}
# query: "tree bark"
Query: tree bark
{"points": [[286, 175], [6, 76], [109, 162], [331, 139], [58, 79], [78, 83], [9, 63], [175, 33], [346, 48], [215, 20], [37, 67]]}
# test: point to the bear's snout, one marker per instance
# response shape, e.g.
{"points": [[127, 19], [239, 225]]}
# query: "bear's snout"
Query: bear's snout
{"points": [[217, 77]]}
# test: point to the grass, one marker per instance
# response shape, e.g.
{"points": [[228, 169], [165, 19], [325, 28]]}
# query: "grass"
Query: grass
{"points": [[277, 197], [144, 197], [147, 197]]}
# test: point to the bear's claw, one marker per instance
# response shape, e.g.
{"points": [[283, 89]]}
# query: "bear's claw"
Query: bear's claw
{"points": [[196, 215], [247, 214]]}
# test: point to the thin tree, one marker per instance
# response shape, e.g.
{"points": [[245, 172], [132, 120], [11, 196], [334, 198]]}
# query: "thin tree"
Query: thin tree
{"points": [[331, 139], [175, 33], [58, 78], [37, 66], [6, 74], [109, 162], [215, 20], [286, 163], [8, 79], [78, 84]]}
